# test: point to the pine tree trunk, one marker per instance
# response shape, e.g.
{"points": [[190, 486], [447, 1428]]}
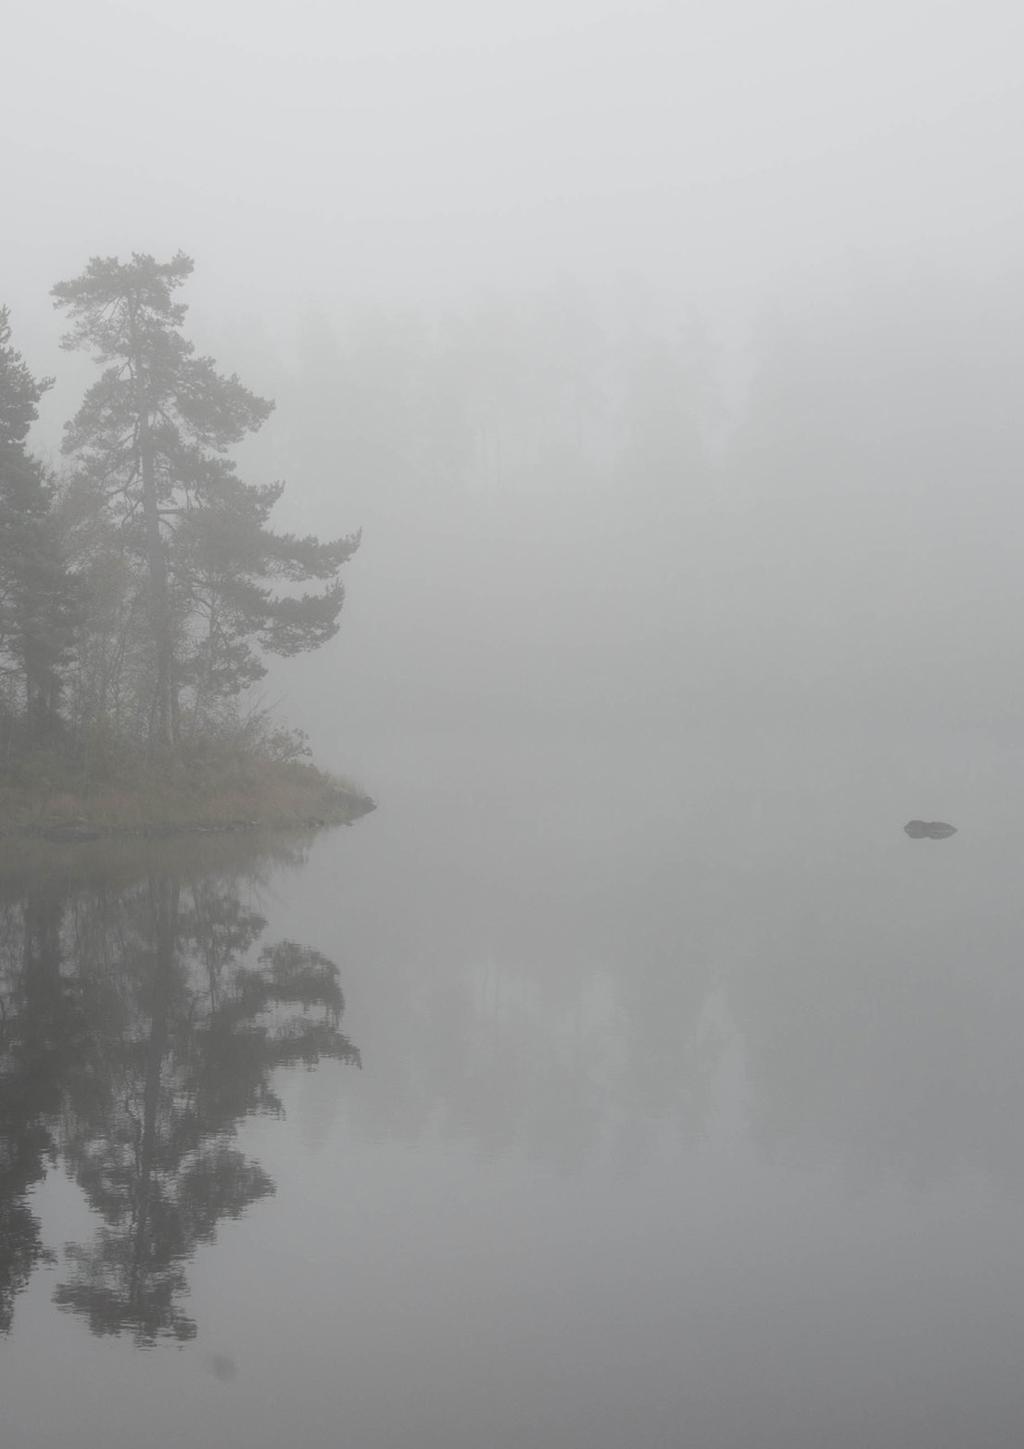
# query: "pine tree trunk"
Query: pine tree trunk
{"points": [[162, 731], [161, 722]]}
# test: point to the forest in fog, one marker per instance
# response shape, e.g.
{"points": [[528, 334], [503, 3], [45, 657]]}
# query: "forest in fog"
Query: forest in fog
{"points": [[577, 443], [135, 583], [664, 364], [581, 511]]}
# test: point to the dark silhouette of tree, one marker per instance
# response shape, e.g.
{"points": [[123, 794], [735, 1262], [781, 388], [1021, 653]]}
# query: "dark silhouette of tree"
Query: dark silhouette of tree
{"points": [[44, 1044], [150, 441]]}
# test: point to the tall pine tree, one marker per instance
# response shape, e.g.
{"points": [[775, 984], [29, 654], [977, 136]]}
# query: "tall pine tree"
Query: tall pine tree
{"points": [[151, 440]]}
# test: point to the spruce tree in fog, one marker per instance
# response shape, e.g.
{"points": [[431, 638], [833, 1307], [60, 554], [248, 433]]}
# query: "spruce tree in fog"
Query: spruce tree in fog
{"points": [[37, 596], [150, 443]]}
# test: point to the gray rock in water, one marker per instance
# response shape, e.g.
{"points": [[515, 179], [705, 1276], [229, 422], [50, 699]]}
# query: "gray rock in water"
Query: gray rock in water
{"points": [[929, 829]]}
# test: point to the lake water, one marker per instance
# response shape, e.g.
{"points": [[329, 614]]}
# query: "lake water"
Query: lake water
{"points": [[658, 1107]]}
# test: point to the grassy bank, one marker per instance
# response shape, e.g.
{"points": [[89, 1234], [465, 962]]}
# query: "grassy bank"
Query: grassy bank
{"points": [[46, 796]]}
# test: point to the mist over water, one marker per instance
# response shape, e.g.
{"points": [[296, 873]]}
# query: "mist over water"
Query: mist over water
{"points": [[638, 1081], [664, 1125]]}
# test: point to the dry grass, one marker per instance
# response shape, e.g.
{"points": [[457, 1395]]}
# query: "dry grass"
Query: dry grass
{"points": [[224, 793]]}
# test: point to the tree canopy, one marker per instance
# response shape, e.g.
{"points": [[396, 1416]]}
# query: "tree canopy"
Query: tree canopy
{"points": [[199, 563]]}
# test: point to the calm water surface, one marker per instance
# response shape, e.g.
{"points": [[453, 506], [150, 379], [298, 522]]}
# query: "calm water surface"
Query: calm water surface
{"points": [[583, 1118]]}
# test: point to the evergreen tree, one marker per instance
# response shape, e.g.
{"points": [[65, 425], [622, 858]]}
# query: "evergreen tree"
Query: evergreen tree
{"points": [[151, 437], [37, 595]]}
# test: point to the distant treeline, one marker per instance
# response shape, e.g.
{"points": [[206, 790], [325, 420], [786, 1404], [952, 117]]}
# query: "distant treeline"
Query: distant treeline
{"points": [[141, 586], [582, 495]]}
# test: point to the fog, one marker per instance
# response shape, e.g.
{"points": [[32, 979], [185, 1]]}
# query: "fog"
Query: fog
{"points": [[666, 355], [669, 357]]}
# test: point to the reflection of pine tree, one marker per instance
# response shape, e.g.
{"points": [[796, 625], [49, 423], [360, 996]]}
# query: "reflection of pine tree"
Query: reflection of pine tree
{"points": [[148, 1057], [43, 1046], [20, 1245]]}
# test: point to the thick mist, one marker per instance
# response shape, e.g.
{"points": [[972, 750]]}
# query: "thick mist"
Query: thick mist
{"points": [[666, 358], [669, 358]]}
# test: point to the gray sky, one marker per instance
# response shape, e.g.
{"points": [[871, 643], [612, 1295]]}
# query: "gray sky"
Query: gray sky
{"points": [[337, 150]]}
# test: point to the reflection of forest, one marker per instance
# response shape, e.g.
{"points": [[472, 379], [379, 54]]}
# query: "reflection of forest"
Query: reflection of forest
{"points": [[616, 991], [140, 1022], [563, 1008]]}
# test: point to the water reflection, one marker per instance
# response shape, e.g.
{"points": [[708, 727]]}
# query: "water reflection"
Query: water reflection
{"points": [[141, 1020], [880, 1022], [616, 996]]}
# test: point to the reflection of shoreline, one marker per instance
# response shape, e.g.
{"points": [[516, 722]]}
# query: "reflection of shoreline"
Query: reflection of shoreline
{"points": [[123, 858], [142, 1021]]}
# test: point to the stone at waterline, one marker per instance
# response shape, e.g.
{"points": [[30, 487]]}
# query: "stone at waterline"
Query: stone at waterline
{"points": [[929, 829]]}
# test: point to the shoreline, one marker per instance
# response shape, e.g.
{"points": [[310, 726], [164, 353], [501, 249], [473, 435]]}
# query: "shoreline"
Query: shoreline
{"points": [[245, 795]]}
